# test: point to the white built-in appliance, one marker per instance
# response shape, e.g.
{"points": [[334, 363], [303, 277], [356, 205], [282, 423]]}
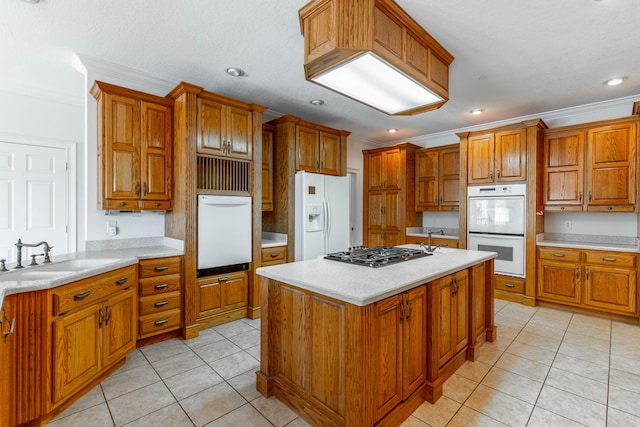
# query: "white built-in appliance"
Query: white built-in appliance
{"points": [[321, 215], [224, 234], [497, 223]]}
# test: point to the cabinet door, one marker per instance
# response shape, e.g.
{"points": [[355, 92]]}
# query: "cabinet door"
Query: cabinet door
{"points": [[209, 296], [563, 171], [155, 151], [391, 171], [6, 363], [122, 147], [612, 289], [267, 170], [460, 307], [450, 179], [239, 133], [391, 210], [329, 153], [119, 328], [387, 357], [76, 350], [375, 237], [210, 123], [511, 156], [235, 291], [375, 177], [427, 180], [480, 159], [612, 167], [559, 281], [376, 211], [414, 337], [307, 155]]}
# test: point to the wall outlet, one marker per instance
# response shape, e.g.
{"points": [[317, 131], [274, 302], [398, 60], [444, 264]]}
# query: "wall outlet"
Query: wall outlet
{"points": [[112, 228], [567, 225]]}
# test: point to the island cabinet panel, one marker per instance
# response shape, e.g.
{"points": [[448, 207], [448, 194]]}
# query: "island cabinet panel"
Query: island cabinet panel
{"points": [[340, 364]]}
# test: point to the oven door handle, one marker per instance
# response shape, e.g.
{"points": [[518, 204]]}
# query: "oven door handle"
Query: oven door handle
{"points": [[497, 236]]}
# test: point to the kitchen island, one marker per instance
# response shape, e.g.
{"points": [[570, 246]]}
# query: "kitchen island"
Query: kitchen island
{"points": [[348, 345]]}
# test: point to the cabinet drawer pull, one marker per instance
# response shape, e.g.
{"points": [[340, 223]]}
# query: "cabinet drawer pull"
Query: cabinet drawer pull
{"points": [[101, 319], [81, 295], [401, 311], [12, 325], [161, 321], [577, 272], [122, 281], [160, 268], [161, 286], [609, 259], [510, 285], [558, 255], [586, 274], [106, 322], [223, 279], [275, 254], [161, 303]]}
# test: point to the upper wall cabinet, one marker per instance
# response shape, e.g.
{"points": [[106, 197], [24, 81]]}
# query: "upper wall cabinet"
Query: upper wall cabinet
{"points": [[224, 130], [497, 157], [438, 178], [134, 149], [591, 167], [267, 167]]}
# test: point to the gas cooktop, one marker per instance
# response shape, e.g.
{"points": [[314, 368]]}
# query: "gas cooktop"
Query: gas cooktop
{"points": [[377, 256]]}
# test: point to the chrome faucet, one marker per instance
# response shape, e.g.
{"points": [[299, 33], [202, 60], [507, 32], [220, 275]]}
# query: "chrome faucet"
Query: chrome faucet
{"points": [[19, 245], [429, 248]]}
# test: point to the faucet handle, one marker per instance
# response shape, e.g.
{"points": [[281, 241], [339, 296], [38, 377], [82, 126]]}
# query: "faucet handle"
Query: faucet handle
{"points": [[47, 259], [33, 259], [3, 267]]}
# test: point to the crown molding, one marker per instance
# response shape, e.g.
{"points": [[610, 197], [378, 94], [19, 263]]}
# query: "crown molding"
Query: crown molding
{"points": [[88, 65]]}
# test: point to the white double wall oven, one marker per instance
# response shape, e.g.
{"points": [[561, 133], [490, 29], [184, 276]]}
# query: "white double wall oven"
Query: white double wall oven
{"points": [[497, 223]]}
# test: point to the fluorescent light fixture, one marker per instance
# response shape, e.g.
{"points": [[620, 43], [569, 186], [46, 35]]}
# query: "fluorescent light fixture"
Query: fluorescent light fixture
{"points": [[370, 80], [615, 81]]}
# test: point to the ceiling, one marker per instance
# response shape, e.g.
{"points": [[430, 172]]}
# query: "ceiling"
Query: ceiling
{"points": [[512, 58]]}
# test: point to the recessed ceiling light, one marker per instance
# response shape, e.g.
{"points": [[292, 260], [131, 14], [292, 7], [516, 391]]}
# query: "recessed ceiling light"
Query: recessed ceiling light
{"points": [[615, 81], [316, 102], [235, 72], [477, 111], [392, 130]]}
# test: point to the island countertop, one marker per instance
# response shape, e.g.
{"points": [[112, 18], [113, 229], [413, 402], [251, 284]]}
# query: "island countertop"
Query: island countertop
{"points": [[360, 285]]}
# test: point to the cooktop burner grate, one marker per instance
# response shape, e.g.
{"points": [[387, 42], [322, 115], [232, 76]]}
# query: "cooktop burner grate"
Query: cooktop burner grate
{"points": [[377, 256]]}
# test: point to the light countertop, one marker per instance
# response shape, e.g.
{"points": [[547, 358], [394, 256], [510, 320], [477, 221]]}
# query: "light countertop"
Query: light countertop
{"points": [[361, 285], [89, 264], [270, 240], [581, 241], [449, 233]]}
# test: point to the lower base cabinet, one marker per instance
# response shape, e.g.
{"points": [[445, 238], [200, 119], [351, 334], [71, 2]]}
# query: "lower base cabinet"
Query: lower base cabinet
{"points": [[596, 280], [7, 329], [339, 364], [222, 294]]}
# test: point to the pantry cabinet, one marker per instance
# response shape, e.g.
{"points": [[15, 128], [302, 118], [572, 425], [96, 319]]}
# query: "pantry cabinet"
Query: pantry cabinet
{"points": [[93, 327], [224, 130], [160, 296], [591, 167], [389, 199], [497, 157], [399, 359], [597, 280], [438, 179], [134, 149]]}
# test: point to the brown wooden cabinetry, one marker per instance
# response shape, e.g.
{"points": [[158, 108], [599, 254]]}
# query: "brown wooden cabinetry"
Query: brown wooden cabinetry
{"points": [[389, 203], [224, 130], [318, 151], [597, 280], [497, 157], [267, 167], [438, 179], [7, 367], [592, 167], [435, 241], [160, 296], [274, 255], [452, 327], [400, 329], [92, 327], [134, 149], [222, 295]]}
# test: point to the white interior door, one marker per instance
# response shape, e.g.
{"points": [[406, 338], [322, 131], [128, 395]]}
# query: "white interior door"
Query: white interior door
{"points": [[33, 198]]}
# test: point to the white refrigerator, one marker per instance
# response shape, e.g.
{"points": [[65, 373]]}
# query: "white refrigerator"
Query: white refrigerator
{"points": [[321, 215]]}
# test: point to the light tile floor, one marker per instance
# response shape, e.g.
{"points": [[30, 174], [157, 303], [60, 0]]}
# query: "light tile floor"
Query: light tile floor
{"points": [[547, 368]]}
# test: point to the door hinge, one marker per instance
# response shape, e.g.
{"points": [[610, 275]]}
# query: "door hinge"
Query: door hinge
{"points": [[66, 166]]}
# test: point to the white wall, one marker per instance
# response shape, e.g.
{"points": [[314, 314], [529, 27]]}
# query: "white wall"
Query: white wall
{"points": [[355, 165]]}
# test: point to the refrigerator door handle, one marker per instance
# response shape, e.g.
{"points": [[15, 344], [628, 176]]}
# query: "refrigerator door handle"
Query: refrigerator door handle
{"points": [[327, 220]]}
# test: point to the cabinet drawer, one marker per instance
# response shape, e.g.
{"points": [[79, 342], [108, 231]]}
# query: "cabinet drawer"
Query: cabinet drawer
{"points": [[160, 322], [164, 205], [95, 288], [124, 205], [509, 284], [559, 254], [616, 259], [160, 285], [274, 254], [159, 303], [160, 266]]}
